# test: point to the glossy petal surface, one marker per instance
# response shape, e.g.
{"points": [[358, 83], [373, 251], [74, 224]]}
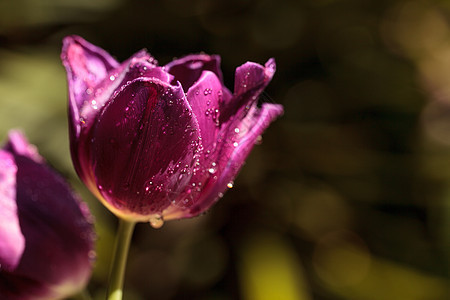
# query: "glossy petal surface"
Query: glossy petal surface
{"points": [[56, 227], [188, 69], [249, 81], [12, 241], [144, 146], [87, 66], [205, 98]]}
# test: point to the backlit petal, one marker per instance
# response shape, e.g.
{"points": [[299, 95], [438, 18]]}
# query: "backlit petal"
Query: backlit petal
{"points": [[188, 69], [144, 147]]}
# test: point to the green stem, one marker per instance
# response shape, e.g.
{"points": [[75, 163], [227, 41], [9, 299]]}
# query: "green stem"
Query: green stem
{"points": [[120, 254]]}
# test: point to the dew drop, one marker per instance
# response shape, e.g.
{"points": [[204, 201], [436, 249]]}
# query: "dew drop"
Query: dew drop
{"points": [[92, 255], [112, 77], [236, 130], [212, 170], [156, 221], [148, 187], [235, 144], [230, 184]]}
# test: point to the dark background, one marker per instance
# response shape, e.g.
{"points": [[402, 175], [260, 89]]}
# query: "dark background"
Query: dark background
{"points": [[347, 197]]}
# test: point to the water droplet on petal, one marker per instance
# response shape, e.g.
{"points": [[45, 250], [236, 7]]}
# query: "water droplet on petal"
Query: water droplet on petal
{"points": [[148, 187], [212, 170], [92, 255], [112, 77], [156, 221], [230, 184], [235, 144]]}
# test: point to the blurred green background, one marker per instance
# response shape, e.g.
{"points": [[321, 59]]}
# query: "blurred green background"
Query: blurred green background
{"points": [[347, 197]]}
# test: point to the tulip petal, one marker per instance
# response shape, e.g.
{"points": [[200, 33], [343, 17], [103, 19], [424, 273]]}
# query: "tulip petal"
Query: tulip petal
{"points": [[139, 65], [206, 97], [142, 68], [93, 76], [227, 144], [144, 146], [87, 65], [12, 242], [250, 80], [56, 226], [188, 69], [45, 201], [229, 158], [18, 144], [252, 76]]}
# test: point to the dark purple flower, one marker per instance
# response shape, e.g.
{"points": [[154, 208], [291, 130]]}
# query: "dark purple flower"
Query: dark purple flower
{"points": [[46, 233], [156, 142]]}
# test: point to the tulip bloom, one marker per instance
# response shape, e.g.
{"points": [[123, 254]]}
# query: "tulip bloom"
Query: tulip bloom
{"points": [[161, 142], [46, 234]]}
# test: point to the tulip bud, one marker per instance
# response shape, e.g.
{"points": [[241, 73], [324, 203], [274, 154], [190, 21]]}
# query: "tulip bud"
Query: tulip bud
{"points": [[46, 232], [154, 142]]}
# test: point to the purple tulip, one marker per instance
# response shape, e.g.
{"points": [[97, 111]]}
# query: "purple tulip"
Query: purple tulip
{"points": [[156, 142], [46, 233]]}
